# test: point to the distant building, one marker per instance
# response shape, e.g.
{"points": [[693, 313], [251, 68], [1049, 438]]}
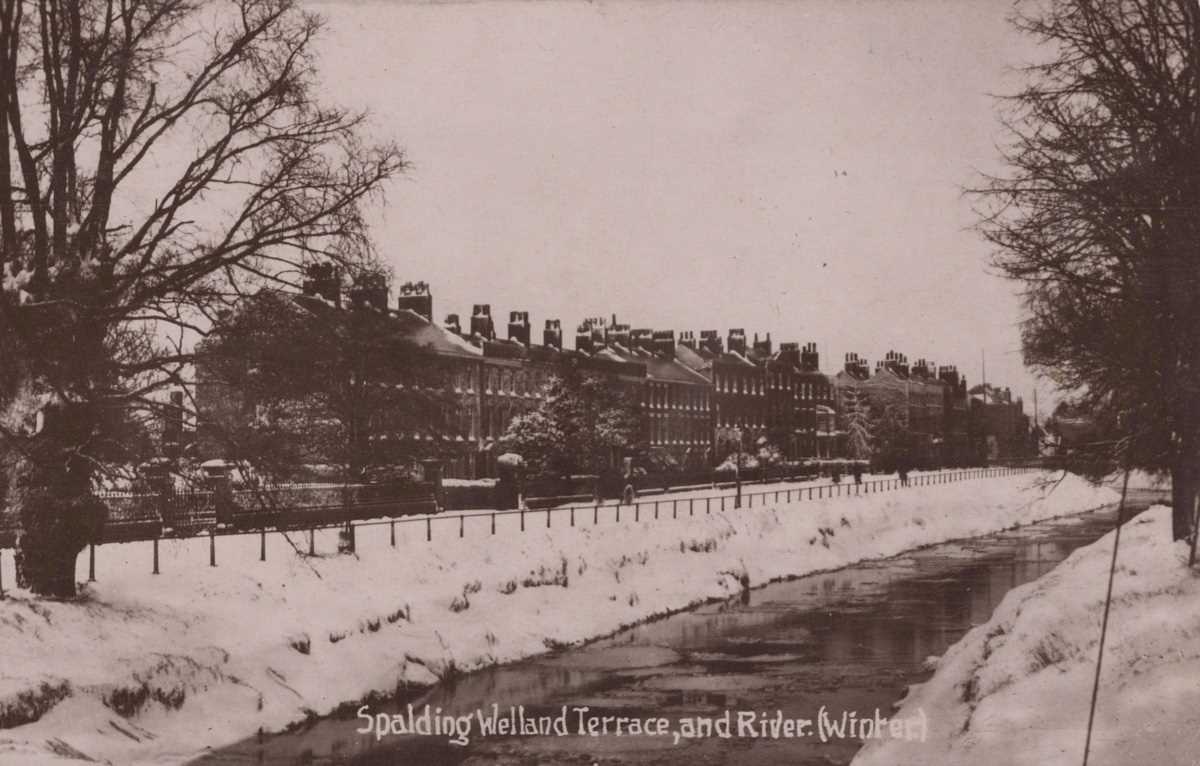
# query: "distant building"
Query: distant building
{"points": [[999, 429]]}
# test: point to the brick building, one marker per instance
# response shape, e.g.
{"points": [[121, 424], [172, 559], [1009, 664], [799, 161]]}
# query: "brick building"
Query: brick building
{"points": [[699, 395], [676, 400], [737, 385]]}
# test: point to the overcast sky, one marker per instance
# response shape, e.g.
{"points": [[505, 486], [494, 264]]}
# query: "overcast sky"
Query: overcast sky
{"points": [[787, 167]]}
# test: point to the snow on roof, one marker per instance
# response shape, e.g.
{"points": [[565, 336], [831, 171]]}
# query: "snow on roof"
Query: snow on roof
{"points": [[426, 333]]}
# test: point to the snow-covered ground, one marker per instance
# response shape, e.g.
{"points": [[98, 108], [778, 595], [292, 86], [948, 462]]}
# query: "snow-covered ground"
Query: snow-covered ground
{"points": [[147, 668], [1017, 689]]}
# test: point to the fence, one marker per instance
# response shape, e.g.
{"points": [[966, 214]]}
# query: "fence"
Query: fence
{"points": [[454, 524]]}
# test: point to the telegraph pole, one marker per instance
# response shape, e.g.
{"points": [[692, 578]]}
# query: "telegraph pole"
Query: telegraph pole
{"points": [[983, 363]]}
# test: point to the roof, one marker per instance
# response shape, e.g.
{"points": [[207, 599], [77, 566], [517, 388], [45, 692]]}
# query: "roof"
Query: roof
{"points": [[693, 360], [408, 323], [434, 337], [658, 368], [702, 358]]}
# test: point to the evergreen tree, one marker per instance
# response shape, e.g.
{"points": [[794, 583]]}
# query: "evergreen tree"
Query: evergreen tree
{"points": [[586, 423]]}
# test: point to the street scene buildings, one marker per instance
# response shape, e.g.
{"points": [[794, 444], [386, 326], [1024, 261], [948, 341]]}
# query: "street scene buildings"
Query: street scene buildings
{"points": [[700, 396]]}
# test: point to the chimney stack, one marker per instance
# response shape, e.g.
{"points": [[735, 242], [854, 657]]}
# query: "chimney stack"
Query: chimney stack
{"points": [[857, 367], [552, 335], [710, 341], [415, 297], [583, 338], [518, 327], [810, 360], [737, 341], [481, 322], [323, 280], [370, 290], [687, 338], [642, 339], [664, 343], [619, 333], [762, 347], [451, 324], [789, 353], [897, 363]]}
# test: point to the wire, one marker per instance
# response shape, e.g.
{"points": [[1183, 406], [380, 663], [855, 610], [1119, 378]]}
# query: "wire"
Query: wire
{"points": [[1112, 572]]}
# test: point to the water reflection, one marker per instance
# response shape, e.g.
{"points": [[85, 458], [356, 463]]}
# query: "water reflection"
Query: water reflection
{"points": [[850, 640]]}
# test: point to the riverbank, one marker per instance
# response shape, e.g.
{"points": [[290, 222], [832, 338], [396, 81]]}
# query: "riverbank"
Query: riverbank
{"points": [[1017, 689], [154, 668]]}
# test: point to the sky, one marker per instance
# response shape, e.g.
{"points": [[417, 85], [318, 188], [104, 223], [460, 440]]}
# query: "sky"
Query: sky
{"points": [[791, 167]]}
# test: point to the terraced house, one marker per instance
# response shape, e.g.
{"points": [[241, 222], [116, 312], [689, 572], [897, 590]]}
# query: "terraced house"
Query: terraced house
{"points": [[701, 396]]}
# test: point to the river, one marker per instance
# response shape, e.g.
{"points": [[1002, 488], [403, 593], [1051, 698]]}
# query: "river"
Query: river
{"points": [[849, 641]]}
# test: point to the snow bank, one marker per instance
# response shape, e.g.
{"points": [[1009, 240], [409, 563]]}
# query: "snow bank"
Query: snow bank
{"points": [[151, 668], [1017, 689]]}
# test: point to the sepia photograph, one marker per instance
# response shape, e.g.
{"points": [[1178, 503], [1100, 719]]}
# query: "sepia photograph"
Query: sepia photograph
{"points": [[598, 382]]}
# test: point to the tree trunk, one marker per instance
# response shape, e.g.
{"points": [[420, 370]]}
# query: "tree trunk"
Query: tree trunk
{"points": [[48, 489], [1184, 487]]}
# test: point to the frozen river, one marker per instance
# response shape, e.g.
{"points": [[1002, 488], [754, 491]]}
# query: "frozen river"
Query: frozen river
{"points": [[827, 646]]}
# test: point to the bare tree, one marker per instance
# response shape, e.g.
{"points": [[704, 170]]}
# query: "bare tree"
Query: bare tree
{"points": [[157, 158], [1098, 216]]}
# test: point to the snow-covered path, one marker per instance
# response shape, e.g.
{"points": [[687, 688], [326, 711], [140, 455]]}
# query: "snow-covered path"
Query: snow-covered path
{"points": [[155, 668], [1016, 690]]}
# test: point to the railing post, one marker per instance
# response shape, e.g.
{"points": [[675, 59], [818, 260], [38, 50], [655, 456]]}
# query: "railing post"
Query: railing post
{"points": [[637, 512], [155, 542], [349, 527], [572, 515], [91, 562], [429, 528], [461, 523], [691, 507], [656, 510], [494, 520], [522, 519], [618, 513], [212, 549], [707, 505], [674, 509], [810, 489], [595, 515], [312, 539], [262, 545], [1, 574], [722, 502], [393, 533]]}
